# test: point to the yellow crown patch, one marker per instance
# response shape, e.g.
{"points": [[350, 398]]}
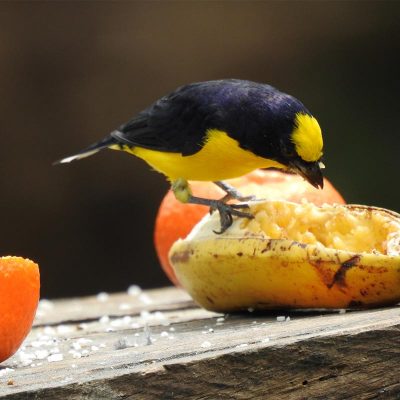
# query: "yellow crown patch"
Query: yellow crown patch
{"points": [[307, 137]]}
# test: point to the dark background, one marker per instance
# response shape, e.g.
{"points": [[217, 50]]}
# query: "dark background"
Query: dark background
{"points": [[70, 72]]}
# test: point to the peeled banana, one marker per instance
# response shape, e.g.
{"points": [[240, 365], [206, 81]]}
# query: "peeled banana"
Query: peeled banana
{"points": [[293, 256]]}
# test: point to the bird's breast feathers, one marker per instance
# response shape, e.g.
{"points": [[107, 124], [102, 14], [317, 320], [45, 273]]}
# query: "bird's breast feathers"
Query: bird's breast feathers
{"points": [[219, 158]]}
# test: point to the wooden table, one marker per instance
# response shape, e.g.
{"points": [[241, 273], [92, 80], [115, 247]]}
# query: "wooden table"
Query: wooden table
{"points": [[158, 344]]}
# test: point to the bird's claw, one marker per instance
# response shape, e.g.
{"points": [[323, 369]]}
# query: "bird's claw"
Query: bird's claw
{"points": [[226, 211], [229, 197], [239, 206]]}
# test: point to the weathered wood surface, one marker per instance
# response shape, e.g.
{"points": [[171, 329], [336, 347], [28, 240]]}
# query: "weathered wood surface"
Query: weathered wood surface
{"points": [[159, 345]]}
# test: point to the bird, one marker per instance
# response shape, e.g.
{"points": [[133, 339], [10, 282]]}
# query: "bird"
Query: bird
{"points": [[217, 130]]}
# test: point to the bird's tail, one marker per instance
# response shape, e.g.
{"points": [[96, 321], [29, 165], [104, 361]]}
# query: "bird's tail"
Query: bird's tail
{"points": [[94, 148]]}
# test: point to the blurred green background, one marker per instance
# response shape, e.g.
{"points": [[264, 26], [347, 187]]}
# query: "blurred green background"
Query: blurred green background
{"points": [[70, 72]]}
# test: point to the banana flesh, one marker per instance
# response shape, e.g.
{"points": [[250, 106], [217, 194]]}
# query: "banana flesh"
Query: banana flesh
{"points": [[293, 256]]}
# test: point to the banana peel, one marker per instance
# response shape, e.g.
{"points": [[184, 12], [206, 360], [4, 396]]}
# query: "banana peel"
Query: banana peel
{"points": [[293, 256]]}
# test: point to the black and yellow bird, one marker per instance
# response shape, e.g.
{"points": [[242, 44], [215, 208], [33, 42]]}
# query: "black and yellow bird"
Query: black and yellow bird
{"points": [[217, 130]]}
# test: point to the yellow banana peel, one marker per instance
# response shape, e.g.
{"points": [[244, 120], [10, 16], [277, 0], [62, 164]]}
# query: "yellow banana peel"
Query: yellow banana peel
{"points": [[293, 256]]}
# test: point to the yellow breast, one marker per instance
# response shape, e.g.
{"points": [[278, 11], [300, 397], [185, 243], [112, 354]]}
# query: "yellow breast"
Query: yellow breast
{"points": [[220, 158]]}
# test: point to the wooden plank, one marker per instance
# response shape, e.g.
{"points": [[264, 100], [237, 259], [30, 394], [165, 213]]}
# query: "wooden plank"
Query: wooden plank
{"points": [[190, 353], [93, 307]]}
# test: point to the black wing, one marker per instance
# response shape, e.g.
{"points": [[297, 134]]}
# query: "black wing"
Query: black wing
{"points": [[175, 123], [258, 116]]}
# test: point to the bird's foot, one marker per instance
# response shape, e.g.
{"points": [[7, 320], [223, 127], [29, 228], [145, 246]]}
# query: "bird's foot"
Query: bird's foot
{"points": [[232, 193], [226, 211]]}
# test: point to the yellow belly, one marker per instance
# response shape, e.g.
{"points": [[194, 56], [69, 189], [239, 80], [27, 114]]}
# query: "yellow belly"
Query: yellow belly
{"points": [[220, 158]]}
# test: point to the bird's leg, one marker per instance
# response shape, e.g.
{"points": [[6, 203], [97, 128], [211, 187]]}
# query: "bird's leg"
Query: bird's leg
{"points": [[232, 193], [182, 192]]}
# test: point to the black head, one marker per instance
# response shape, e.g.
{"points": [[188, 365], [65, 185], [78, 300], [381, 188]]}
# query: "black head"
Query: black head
{"points": [[276, 126]]}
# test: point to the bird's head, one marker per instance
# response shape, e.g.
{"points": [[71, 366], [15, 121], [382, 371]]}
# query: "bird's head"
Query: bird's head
{"points": [[296, 144], [275, 126], [305, 146]]}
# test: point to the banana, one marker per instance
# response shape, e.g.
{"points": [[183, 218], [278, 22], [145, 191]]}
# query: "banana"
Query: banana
{"points": [[293, 256]]}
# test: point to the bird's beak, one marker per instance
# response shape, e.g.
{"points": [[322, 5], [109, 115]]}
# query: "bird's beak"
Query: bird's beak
{"points": [[310, 171]]}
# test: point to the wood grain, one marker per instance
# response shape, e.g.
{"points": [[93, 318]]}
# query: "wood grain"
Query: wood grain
{"points": [[167, 348]]}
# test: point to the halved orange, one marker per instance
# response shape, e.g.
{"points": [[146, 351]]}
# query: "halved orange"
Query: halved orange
{"points": [[19, 297]]}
